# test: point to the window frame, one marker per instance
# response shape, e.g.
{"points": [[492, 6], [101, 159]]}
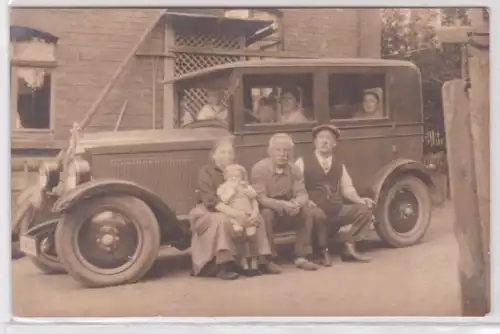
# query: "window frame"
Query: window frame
{"points": [[242, 128], [348, 122], [31, 137], [14, 91]]}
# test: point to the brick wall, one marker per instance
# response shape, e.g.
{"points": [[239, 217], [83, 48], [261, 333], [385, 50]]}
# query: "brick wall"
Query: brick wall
{"points": [[333, 32], [93, 42]]}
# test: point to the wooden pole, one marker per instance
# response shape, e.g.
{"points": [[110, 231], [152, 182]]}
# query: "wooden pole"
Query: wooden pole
{"points": [[463, 193], [467, 132], [120, 117], [479, 72], [153, 92]]}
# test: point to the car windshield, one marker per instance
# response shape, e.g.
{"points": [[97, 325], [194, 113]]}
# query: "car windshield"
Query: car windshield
{"points": [[206, 99]]}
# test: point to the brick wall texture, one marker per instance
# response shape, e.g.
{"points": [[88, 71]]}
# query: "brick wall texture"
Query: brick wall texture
{"points": [[93, 42]]}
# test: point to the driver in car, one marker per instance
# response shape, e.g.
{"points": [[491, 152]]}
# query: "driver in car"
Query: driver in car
{"points": [[214, 109]]}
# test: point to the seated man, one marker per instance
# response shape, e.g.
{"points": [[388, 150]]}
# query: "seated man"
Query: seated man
{"points": [[283, 198], [328, 183], [214, 109]]}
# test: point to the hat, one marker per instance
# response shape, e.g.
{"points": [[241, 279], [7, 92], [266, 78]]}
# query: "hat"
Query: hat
{"points": [[330, 127]]}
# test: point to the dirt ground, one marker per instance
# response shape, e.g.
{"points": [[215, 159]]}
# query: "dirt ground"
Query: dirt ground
{"points": [[417, 281]]}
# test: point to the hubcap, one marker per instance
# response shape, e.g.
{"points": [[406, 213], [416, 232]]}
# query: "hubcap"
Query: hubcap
{"points": [[403, 211], [108, 240]]}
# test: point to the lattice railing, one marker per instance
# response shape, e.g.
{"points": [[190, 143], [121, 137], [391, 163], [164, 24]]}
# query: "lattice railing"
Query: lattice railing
{"points": [[185, 62], [192, 38]]}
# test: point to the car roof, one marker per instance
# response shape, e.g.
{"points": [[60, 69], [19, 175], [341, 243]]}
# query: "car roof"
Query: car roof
{"points": [[293, 62]]}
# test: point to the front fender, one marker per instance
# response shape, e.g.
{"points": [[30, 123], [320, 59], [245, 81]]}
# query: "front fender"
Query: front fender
{"points": [[34, 206], [171, 228], [44, 228], [398, 168]]}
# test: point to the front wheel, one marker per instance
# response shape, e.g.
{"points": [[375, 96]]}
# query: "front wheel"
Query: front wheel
{"points": [[109, 240], [403, 212]]}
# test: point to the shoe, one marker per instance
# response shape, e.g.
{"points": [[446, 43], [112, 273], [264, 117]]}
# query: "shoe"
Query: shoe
{"points": [[227, 275], [252, 272], [351, 255], [270, 268], [305, 264]]}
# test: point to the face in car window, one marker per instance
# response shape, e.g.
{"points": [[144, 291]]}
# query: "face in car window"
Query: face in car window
{"points": [[267, 111], [291, 112], [371, 105], [214, 109]]}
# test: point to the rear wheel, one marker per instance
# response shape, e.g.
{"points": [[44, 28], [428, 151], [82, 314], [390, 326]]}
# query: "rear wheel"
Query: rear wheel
{"points": [[403, 213], [108, 240]]}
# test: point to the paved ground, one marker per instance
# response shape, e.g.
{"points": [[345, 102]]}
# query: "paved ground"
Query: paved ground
{"points": [[416, 281]]}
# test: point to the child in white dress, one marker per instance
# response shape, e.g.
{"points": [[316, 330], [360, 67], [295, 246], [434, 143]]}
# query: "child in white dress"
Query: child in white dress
{"points": [[237, 193]]}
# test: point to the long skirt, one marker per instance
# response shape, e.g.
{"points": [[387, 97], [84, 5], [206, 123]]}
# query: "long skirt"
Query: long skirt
{"points": [[212, 233]]}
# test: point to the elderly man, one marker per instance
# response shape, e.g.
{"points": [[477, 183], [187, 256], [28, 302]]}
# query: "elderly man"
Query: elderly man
{"points": [[283, 198], [328, 184]]}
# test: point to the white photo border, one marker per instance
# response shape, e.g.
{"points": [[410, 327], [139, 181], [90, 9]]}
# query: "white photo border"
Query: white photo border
{"points": [[400, 325]]}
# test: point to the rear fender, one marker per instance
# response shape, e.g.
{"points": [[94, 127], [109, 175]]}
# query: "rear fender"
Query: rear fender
{"points": [[172, 230], [398, 168]]}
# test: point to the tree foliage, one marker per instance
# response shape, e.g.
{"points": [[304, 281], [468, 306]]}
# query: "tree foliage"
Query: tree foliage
{"points": [[410, 34]]}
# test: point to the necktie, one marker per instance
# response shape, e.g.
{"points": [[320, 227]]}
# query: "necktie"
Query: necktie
{"points": [[325, 166]]}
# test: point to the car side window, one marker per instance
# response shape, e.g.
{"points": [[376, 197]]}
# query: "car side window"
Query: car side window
{"points": [[278, 98], [356, 96]]}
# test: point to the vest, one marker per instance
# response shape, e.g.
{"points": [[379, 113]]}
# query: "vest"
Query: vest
{"points": [[324, 189]]}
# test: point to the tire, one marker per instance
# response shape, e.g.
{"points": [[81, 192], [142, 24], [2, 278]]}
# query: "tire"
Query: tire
{"points": [[77, 254], [47, 263], [403, 213]]}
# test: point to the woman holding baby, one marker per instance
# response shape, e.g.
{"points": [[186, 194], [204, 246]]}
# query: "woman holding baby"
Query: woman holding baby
{"points": [[228, 236]]}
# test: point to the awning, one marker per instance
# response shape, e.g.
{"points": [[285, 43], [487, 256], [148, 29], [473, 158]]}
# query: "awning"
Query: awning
{"points": [[19, 34], [249, 27]]}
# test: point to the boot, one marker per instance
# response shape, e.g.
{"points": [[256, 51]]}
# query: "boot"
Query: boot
{"points": [[351, 255]]}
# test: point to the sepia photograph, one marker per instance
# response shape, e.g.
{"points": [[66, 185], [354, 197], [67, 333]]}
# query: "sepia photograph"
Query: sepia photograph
{"points": [[250, 162]]}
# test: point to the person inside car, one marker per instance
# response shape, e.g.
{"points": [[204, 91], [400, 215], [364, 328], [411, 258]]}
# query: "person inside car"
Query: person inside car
{"points": [[266, 111], [214, 109], [371, 106], [291, 111]]}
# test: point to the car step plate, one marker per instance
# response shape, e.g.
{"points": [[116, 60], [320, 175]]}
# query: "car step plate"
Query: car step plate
{"points": [[28, 245]]}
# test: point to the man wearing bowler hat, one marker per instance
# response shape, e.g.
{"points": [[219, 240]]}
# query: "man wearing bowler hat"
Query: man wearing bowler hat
{"points": [[328, 185]]}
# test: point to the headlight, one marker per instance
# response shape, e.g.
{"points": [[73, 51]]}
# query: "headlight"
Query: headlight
{"points": [[48, 175], [78, 172]]}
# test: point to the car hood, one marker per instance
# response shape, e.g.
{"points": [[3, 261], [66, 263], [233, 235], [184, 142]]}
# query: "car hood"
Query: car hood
{"points": [[148, 140]]}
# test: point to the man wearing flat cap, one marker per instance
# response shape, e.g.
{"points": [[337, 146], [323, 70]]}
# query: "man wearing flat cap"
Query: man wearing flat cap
{"points": [[328, 185]]}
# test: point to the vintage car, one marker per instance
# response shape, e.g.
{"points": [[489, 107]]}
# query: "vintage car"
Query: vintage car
{"points": [[118, 196]]}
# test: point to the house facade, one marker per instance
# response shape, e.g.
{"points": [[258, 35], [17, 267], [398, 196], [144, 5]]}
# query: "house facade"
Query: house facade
{"points": [[61, 59]]}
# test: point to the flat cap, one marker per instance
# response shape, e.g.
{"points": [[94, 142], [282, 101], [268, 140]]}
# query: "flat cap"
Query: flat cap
{"points": [[330, 127]]}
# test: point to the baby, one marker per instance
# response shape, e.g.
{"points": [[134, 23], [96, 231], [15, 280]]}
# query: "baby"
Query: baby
{"points": [[239, 195]]}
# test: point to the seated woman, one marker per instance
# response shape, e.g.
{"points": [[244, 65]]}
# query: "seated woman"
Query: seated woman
{"points": [[371, 107], [215, 248], [291, 112], [214, 109]]}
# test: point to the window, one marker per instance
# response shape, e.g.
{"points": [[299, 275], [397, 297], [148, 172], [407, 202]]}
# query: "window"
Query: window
{"points": [[32, 61], [205, 99], [278, 98], [356, 96]]}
